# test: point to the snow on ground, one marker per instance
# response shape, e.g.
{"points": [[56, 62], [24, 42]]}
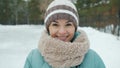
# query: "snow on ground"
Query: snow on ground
{"points": [[106, 45], [17, 41]]}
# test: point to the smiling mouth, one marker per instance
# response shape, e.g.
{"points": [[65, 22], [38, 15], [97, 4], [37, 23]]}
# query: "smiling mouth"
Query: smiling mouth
{"points": [[63, 38]]}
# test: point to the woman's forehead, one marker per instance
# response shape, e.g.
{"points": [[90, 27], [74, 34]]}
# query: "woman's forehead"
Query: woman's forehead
{"points": [[62, 20]]}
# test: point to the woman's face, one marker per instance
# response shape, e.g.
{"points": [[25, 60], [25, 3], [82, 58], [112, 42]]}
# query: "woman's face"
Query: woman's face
{"points": [[62, 29]]}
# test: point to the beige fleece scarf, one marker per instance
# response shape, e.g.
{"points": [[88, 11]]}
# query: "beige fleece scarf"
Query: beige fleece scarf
{"points": [[60, 54]]}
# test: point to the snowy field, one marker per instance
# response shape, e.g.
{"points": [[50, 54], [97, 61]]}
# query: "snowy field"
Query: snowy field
{"points": [[17, 41]]}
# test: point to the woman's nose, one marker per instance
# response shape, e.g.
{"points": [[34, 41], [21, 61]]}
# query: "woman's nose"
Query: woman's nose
{"points": [[62, 30]]}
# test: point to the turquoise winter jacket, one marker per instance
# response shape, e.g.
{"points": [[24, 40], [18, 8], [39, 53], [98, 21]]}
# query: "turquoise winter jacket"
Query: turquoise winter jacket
{"points": [[36, 60]]}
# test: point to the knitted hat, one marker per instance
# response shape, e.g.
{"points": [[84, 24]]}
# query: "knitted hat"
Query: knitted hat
{"points": [[61, 9]]}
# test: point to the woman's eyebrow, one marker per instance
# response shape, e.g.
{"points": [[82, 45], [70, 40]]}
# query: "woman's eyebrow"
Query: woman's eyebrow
{"points": [[55, 21], [68, 21]]}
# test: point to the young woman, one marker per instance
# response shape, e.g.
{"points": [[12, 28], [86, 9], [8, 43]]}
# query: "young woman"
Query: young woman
{"points": [[62, 45]]}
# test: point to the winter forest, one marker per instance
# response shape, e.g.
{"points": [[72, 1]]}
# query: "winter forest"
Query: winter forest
{"points": [[21, 23], [99, 14]]}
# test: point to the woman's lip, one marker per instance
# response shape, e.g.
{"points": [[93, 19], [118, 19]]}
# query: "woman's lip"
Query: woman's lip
{"points": [[63, 38]]}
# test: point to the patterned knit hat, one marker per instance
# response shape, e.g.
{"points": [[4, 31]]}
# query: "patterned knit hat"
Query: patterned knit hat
{"points": [[61, 9]]}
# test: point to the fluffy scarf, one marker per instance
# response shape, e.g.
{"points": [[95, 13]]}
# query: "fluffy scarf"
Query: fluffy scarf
{"points": [[60, 54]]}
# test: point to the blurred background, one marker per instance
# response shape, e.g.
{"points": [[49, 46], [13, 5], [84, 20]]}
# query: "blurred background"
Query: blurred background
{"points": [[103, 15], [21, 24]]}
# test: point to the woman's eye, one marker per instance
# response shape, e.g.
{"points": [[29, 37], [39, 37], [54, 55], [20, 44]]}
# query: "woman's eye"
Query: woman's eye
{"points": [[68, 24], [54, 24]]}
